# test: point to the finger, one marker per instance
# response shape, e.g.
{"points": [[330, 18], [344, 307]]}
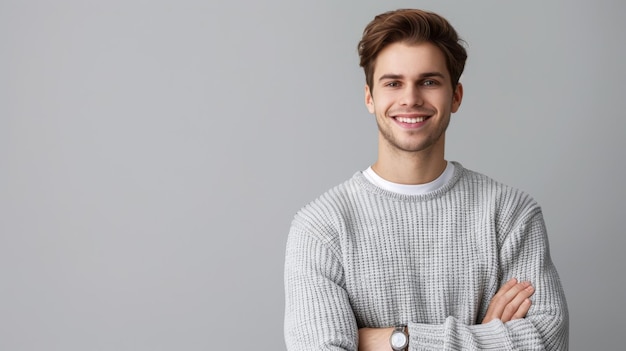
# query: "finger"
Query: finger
{"points": [[496, 305], [513, 305], [505, 295], [504, 304], [522, 310], [506, 287]]}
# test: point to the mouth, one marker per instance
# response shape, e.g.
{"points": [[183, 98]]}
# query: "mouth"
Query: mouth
{"points": [[410, 120]]}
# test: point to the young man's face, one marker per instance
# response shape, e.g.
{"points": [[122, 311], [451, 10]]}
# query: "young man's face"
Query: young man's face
{"points": [[412, 97]]}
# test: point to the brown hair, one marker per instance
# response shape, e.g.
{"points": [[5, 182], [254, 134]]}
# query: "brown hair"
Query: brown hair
{"points": [[413, 27]]}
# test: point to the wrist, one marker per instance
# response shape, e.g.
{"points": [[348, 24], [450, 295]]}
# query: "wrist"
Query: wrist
{"points": [[399, 338]]}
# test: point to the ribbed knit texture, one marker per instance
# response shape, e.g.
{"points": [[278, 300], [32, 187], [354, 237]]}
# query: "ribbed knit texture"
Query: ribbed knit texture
{"points": [[360, 256]]}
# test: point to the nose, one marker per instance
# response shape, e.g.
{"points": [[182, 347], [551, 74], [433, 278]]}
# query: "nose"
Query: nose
{"points": [[411, 96]]}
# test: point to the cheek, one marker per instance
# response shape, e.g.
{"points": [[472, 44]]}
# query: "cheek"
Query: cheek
{"points": [[444, 103], [383, 103]]}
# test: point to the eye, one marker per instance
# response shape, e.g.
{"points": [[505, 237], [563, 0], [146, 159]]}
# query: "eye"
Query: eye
{"points": [[429, 82], [392, 84]]}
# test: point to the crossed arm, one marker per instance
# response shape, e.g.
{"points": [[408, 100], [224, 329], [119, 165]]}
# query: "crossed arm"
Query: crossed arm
{"points": [[511, 302], [319, 314]]}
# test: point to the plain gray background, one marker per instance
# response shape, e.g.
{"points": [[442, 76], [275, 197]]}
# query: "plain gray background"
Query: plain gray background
{"points": [[153, 153]]}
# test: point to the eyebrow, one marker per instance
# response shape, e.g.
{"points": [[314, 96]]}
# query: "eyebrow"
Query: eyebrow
{"points": [[421, 76]]}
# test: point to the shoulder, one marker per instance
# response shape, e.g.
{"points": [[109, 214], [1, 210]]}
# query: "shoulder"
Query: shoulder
{"points": [[491, 188], [328, 213], [507, 203]]}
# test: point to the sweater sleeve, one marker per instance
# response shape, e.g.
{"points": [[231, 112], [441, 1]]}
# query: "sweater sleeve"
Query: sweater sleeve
{"points": [[524, 254], [318, 314]]}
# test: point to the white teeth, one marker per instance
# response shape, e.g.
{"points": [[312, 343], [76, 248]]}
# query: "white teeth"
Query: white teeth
{"points": [[410, 120]]}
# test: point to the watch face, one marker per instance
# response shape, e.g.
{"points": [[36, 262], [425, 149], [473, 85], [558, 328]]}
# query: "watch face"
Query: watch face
{"points": [[398, 340]]}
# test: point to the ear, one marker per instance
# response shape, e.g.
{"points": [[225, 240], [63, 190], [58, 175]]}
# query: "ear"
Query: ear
{"points": [[369, 100], [457, 96]]}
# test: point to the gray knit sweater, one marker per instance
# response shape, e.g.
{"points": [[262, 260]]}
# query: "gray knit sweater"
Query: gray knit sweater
{"points": [[360, 256]]}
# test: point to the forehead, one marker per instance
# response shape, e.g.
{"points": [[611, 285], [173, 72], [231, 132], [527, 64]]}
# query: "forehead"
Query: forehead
{"points": [[410, 60]]}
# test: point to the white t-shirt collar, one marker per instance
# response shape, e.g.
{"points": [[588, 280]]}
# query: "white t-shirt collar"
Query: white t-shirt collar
{"points": [[405, 189]]}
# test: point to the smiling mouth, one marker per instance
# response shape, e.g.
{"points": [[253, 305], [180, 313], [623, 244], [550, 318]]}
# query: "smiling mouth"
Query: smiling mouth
{"points": [[411, 119]]}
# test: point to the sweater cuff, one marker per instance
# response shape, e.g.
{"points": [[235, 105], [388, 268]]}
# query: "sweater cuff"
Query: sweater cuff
{"points": [[452, 335]]}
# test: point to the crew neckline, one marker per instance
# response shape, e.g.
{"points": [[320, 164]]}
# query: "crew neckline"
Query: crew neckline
{"points": [[411, 189]]}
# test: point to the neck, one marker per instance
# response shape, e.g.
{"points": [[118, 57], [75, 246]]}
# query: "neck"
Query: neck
{"points": [[404, 167]]}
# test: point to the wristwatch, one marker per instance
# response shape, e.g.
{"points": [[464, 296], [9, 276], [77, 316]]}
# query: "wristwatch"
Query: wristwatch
{"points": [[399, 339]]}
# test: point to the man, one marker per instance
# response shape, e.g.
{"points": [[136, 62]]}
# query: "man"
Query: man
{"points": [[417, 252]]}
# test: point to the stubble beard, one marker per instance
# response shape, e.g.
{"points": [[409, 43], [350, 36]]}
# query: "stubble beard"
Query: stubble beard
{"points": [[412, 146]]}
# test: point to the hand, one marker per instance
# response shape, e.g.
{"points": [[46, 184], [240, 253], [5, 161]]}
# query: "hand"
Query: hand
{"points": [[511, 302], [375, 339]]}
